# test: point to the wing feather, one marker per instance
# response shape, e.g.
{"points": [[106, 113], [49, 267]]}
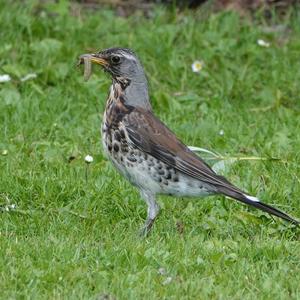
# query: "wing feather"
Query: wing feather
{"points": [[149, 134]]}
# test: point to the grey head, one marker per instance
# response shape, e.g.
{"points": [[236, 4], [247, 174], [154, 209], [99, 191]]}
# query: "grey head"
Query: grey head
{"points": [[126, 70]]}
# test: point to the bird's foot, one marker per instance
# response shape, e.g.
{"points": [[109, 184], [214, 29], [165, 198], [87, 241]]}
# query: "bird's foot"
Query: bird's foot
{"points": [[145, 230]]}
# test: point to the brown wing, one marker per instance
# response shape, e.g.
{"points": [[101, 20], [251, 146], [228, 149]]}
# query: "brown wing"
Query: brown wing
{"points": [[149, 134]]}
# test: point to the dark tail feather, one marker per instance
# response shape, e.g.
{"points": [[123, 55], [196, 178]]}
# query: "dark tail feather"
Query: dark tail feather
{"points": [[255, 202]]}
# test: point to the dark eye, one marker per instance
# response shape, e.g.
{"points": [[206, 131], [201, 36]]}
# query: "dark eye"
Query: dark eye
{"points": [[115, 59]]}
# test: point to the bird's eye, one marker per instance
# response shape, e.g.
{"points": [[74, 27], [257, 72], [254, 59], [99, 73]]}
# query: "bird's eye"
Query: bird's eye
{"points": [[115, 59]]}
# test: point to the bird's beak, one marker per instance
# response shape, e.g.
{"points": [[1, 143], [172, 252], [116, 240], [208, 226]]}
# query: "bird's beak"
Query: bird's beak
{"points": [[94, 58]]}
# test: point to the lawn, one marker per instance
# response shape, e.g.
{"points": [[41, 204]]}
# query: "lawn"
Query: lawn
{"points": [[69, 230]]}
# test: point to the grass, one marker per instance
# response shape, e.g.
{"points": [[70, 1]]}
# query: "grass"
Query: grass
{"points": [[69, 238]]}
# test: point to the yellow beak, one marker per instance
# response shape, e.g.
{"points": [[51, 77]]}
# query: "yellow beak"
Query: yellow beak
{"points": [[99, 61], [92, 58]]}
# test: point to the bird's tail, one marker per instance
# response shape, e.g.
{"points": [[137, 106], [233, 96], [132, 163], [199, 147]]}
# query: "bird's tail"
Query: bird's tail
{"points": [[255, 202]]}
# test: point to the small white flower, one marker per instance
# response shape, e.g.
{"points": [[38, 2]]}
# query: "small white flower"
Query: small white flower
{"points": [[5, 78], [162, 271], [167, 280], [197, 66], [221, 132], [89, 159], [12, 206], [263, 43], [29, 76], [4, 152]]}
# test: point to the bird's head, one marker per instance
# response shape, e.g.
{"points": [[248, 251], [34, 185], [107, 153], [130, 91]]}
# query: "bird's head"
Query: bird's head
{"points": [[119, 62], [125, 70]]}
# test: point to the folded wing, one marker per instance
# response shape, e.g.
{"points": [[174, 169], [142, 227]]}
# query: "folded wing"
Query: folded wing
{"points": [[150, 135]]}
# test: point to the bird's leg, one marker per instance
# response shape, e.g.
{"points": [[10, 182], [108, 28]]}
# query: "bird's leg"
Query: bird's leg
{"points": [[152, 211]]}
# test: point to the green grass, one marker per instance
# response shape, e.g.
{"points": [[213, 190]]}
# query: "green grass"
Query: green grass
{"points": [[72, 239]]}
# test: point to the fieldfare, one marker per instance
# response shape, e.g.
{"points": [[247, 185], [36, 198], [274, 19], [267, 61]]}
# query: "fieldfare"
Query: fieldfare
{"points": [[147, 152]]}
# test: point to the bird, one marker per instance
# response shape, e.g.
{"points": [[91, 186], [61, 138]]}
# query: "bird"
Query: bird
{"points": [[145, 151]]}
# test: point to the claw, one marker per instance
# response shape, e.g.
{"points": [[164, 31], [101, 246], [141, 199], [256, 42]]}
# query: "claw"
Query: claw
{"points": [[145, 230]]}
